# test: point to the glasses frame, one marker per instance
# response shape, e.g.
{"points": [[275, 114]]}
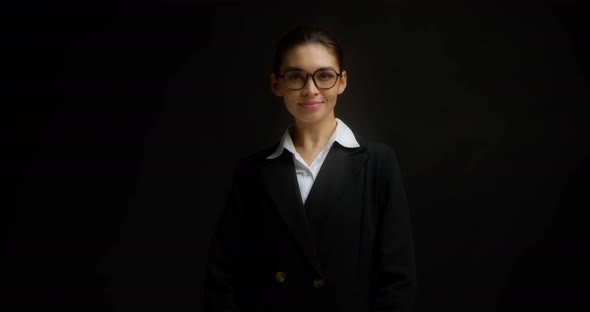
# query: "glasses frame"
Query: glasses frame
{"points": [[312, 78]]}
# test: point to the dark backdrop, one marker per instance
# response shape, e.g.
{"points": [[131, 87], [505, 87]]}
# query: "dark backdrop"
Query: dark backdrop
{"points": [[122, 121]]}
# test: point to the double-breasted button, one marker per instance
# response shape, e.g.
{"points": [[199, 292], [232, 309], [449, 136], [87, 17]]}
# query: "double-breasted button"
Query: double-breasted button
{"points": [[280, 277], [318, 283]]}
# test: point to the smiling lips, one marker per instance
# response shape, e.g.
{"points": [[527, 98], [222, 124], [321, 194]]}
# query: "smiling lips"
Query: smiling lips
{"points": [[310, 104]]}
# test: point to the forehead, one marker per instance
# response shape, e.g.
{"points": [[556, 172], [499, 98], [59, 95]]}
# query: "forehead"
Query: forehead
{"points": [[309, 57]]}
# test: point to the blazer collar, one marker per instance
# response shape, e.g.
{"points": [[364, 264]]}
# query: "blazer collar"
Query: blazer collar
{"points": [[279, 177], [338, 172], [340, 168]]}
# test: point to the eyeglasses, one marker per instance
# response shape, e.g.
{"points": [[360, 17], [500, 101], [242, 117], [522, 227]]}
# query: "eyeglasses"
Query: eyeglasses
{"points": [[323, 78]]}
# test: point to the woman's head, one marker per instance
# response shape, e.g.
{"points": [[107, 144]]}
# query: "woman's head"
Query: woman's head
{"points": [[308, 73], [307, 35]]}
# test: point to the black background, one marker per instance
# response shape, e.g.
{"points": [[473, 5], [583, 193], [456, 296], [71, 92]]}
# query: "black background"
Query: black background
{"points": [[121, 122]]}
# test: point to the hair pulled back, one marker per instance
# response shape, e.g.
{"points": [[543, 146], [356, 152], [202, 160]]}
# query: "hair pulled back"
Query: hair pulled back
{"points": [[306, 35]]}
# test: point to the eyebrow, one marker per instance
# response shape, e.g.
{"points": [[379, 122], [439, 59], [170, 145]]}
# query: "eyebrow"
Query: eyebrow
{"points": [[297, 68]]}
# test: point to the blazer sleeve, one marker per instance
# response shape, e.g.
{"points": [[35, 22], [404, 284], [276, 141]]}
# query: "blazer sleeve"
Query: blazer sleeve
{"points": [[395, 276], [219, 294]]}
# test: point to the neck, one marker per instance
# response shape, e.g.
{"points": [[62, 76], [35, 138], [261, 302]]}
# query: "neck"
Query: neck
{"points": [[313, 135]]}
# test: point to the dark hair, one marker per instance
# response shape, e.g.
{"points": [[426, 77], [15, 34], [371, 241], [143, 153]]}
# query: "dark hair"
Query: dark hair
{"points": [[306, 35]]}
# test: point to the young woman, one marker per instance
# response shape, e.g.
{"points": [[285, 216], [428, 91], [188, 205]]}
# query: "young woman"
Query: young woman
{"points": [[319, 221]]}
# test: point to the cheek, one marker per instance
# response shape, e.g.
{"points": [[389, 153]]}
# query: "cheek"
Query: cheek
{"points": [[290, 98], [331, 96], [289, 101]]}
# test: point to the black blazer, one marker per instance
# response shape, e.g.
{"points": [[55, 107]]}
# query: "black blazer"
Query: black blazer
{"points": [[349, 248]]}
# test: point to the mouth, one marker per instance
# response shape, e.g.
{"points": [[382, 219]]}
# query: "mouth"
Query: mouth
{"points": [[310, 104]]}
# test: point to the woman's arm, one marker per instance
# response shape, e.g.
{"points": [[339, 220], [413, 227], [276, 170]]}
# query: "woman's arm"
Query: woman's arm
{"points": [[395, 276], [219, 286]]}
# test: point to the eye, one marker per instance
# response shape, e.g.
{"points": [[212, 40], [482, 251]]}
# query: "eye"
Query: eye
{"points": [[293, 75], [325, 75]]}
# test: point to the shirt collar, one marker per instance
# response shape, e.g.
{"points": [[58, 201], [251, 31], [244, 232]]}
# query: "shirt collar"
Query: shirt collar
{"points": [[343, 135]]}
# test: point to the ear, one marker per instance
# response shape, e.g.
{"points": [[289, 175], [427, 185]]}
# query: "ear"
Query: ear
{"points": [[275, 85], [342, 82]]}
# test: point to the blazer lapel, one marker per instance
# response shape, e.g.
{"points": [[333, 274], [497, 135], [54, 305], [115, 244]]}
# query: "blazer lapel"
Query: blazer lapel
{"points": [[281, 181], [339, 170]]}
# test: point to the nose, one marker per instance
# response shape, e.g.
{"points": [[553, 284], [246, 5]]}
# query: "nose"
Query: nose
{"points": [[309, 87]]}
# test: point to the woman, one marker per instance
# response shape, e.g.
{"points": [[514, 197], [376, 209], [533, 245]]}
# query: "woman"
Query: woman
{"points": [[318, 222]]}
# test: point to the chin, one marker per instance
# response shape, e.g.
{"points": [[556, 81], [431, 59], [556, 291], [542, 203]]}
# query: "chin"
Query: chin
{"points": [[310, 118]]}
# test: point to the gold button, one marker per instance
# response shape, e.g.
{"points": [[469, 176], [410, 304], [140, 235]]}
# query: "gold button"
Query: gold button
{"points": [[317, 283], [280, 277]]}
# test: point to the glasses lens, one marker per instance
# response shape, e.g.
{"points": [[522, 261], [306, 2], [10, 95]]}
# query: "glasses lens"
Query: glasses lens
{"points": [[294, 79], [325, 78]]}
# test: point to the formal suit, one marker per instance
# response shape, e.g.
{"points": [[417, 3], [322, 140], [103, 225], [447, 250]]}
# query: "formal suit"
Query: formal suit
{"points": [[348, 248]]}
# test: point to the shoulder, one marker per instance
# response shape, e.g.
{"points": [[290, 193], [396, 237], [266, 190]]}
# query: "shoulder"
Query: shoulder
{"points": [[378, 151], [382, 157], [250, 162]]}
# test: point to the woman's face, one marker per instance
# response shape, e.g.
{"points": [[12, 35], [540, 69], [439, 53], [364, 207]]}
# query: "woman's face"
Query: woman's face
{"points": [[310, 104]]}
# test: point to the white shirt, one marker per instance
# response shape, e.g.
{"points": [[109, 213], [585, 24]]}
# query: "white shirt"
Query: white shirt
{"points": [[306, 175]]}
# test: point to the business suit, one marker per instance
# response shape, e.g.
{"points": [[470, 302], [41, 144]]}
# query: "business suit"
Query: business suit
{"points": [[348, 248]]}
